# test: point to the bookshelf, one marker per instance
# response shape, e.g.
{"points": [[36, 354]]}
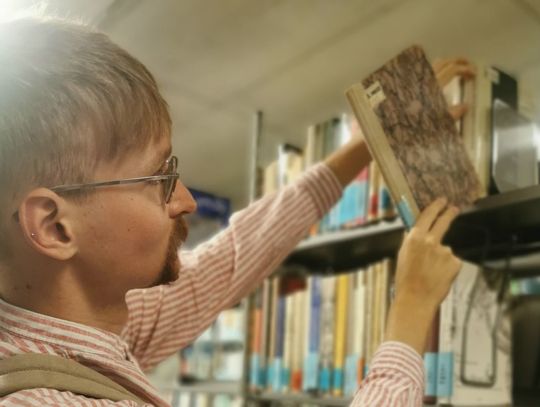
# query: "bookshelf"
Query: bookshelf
{"points": [[490, 231], [500, 231], [347, 249], [295, 399]]}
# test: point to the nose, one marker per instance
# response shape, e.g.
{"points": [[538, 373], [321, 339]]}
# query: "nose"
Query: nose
{"points": [[182, 201]]}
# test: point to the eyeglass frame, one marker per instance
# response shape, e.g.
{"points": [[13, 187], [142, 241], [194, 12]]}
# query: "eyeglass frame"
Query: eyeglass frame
{"points": [[172, 166]]}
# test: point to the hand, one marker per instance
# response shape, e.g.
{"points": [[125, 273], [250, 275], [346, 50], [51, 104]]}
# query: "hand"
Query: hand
{"points": [[446, 70], [425, 272]]}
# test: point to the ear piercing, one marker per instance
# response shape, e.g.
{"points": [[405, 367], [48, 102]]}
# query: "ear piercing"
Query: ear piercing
{"points": [[33, 235]]}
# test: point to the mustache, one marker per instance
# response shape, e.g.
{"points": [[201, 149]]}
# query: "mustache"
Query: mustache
{"points": [[180, 232]]}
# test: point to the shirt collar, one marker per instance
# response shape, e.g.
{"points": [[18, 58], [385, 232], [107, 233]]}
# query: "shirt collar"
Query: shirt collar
{"points": [[68, 335]]}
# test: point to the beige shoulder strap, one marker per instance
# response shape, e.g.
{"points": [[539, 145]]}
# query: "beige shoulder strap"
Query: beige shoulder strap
{"points": [[31, 371]]}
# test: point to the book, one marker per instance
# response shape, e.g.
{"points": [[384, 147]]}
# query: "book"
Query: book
{"points": [[328, 313], [256, 340], [514, 149], [505, 89], [290, 164], [478, 355], [320, 330], [298, 349], [405, 120], [272, 323], [312, 336], [340, 341], [373, 193]]}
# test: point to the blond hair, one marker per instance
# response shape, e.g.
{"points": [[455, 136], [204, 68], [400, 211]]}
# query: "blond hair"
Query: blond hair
{"points": [[69, 99]]}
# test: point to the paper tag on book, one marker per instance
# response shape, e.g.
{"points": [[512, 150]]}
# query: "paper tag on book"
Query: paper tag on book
{"points": [[375, 94]]}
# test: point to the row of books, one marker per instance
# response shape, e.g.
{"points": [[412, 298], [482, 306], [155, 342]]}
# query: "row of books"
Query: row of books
{"points": [[473, 363], [317, 334], [365, 200], [218, 353], [178, 398]]}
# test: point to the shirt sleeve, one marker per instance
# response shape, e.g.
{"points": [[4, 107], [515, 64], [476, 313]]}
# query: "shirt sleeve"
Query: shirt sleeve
{"points": [[396, 378], [218, 273]]}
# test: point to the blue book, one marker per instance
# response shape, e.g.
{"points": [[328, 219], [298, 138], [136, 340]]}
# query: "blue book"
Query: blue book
{"points": [[311, 362], [277, 373], [430, 366]]}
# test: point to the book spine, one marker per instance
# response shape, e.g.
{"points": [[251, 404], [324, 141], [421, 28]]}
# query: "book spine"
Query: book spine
{"points": [[445, 366], [288, 338], [360, 327], [298, 346], [277, 385], [369, 316], [351, 359], [373, 200], [256, 341], [312, 360], [386, 206], [273, 332], [342, 291], [265, 332], [431, 363], [327, 333]]}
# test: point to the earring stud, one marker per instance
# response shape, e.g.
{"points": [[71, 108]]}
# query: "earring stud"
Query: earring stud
{"points": [[33, 235]]}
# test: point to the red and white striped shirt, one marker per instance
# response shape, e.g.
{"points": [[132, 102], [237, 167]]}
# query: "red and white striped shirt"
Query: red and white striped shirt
{"points": [[214, 276]]}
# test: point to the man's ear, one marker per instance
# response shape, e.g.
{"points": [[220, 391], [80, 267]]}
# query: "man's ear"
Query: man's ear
{"points": [[45, 221]]}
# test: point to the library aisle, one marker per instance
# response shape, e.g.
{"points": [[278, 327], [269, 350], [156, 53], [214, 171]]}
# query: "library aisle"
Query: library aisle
{"points": [[301, 143]]}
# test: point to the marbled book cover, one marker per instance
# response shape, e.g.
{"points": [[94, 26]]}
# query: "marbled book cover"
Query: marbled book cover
{"points": [[413, 113]]}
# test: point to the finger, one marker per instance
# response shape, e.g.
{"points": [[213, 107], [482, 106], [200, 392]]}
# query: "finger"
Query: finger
{"points": [[449, 71], [444, 62], [428, 216], [441, 225], [458, 111]]}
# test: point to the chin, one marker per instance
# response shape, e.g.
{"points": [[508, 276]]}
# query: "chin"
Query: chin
{"points": [[169, 271]]}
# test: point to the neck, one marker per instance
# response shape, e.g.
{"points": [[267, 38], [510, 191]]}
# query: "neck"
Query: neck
{"points": [[61, 296]]}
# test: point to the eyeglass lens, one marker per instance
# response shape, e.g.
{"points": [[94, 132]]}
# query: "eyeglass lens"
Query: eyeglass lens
{"points": [[170, 183]]}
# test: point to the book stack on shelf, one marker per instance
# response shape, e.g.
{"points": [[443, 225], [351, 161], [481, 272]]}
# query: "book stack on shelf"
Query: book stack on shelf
{"points": [[210, 369], [316, 334], [365, 200], [204, 398], [218, 353]]}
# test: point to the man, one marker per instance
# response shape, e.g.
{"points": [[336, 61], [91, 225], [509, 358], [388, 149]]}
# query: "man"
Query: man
{"points": [[91, 217]]}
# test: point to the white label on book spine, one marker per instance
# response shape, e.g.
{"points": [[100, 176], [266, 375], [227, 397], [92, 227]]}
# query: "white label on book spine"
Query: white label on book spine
{"points": [[493, 75], [375, 94]]}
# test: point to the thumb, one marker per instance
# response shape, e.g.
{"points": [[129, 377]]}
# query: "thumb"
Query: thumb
{"points": [[458, 111]]}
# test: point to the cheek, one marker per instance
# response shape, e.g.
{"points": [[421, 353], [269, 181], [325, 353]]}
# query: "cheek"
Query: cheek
{"points": [[130, 237]]}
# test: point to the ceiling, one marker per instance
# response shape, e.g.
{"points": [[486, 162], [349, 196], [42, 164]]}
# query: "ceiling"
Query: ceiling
{"points": [[218, 61]]}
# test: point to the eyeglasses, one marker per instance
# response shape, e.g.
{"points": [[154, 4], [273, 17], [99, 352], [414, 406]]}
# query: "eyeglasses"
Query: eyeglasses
{"points": [[168, 179]]}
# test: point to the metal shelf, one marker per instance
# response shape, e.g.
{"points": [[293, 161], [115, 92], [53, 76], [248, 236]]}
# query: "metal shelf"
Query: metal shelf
{"points": [[349, 249], [491, 230], [300, 399], [521, 400]]}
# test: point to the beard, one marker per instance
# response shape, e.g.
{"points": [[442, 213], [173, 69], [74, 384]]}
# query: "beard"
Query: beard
{"points": [[170, 270]]}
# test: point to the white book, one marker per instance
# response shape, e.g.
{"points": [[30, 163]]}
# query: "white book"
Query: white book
{"points": [[482, 341]]}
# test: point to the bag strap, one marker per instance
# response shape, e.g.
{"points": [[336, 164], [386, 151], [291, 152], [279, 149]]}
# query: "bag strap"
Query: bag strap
{"points": [[32, 370]]}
